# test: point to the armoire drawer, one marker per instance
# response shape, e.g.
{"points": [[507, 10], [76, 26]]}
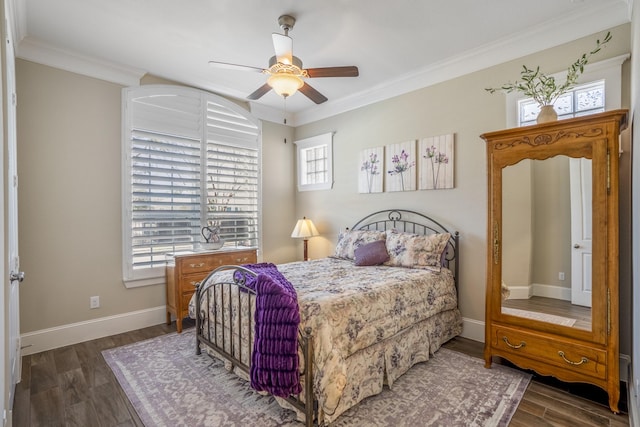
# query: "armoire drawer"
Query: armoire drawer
{"points": [[570, 356]]}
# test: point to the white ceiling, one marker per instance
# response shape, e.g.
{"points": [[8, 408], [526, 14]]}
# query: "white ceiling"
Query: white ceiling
{"points": [[398, 46]]}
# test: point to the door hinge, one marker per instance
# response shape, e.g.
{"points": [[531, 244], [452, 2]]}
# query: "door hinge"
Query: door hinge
{"points": [[608, 171], [14, 99], [608, 311]]}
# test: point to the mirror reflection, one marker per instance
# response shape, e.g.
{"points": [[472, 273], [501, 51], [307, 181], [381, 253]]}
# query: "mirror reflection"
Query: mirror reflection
{"points": [[546, 241]]}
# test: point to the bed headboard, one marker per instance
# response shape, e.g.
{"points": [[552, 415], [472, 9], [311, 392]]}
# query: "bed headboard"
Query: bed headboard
{"points": [[417, 223]]}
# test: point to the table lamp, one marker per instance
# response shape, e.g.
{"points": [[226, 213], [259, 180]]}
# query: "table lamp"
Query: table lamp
{"points": [[303, 230]]}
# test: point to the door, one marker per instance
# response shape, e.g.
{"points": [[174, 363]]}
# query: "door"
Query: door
{"points": [[581, 231], [13, 277]]}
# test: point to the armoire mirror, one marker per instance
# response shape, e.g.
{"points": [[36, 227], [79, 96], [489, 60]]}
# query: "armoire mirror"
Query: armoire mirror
{"points": [[546, 240]]}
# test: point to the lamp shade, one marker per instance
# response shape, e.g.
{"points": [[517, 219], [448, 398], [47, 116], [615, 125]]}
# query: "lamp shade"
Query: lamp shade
{"points": [[285, 84], [304, 229]]}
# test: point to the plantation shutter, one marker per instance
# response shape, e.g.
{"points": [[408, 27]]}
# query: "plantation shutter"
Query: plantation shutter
{"points": [[232, 176], [192, 160]]}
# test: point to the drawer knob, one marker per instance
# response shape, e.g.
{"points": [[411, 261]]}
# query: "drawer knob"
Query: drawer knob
{"points": [[583, 360], [506, 341], [197, 265]]}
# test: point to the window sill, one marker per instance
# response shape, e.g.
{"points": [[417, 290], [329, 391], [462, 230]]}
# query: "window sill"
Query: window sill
{"points": [[138, 283]]}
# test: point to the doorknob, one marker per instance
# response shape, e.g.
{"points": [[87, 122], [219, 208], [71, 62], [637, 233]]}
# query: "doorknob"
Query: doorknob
{"points": [[576, 246], [19, 276]]}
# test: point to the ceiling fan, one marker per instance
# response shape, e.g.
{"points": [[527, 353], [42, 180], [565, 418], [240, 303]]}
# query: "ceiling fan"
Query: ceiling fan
{"points": [[285, 70]]}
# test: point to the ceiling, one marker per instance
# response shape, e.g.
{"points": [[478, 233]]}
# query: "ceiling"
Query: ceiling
{"points": [[398, 46]]}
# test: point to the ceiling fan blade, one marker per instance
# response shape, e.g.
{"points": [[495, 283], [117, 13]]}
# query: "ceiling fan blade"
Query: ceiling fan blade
{"points": [[228, 66], [350, 71], [258, 93], [283, 46], [312, 94]]}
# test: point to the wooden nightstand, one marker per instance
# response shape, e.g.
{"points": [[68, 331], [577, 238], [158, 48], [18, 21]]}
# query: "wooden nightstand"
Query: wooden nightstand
{"points": [[185, 269]]}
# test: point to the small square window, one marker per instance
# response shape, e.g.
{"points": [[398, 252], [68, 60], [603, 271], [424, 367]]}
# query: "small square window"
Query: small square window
{"points": [[315, 162]]}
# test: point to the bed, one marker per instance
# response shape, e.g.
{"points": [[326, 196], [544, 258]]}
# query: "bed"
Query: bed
{"points": [[363, 320]]}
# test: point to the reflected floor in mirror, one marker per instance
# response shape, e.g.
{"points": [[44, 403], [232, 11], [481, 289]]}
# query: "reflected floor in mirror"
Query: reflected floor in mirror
{"points": [[553, 307]]}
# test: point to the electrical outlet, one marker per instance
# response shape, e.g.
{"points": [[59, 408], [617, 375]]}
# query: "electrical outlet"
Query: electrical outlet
{"points": [[94, 302], [561, 275]]}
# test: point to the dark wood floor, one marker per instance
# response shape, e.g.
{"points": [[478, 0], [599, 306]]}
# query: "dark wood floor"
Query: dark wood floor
{"points": [[73, 386]]}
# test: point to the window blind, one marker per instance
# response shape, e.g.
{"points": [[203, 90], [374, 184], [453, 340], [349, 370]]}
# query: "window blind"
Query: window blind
{"points": [[192, 160]]}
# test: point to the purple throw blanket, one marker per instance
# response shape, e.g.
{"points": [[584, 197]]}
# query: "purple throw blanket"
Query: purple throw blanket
{"points": [[274, 363]]}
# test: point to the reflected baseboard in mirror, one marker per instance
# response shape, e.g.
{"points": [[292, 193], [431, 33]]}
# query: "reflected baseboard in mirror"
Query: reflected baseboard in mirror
{"points": [[554, 307]]}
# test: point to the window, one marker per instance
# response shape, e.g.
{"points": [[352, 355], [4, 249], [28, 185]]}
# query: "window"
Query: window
{"points": [[599, 89], [315, 163], [190, 160], [582, 100]]}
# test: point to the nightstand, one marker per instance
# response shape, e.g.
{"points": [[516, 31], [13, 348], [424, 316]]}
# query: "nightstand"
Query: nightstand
{"points": [[186, 269]]}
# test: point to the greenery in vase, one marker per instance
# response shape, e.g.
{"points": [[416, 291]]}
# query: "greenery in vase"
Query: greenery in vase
{"points": [[544, 89]]}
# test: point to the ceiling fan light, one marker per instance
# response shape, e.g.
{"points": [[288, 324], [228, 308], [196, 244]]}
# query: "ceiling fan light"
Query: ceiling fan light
{"points": [[285, 84]]}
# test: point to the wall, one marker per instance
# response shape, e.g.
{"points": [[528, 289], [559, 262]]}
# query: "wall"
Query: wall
{"points": [[463, 107], [69, 145], [634, 399]]}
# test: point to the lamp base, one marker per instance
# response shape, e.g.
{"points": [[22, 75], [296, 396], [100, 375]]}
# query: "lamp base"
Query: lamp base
{"points": [[306, 257]]}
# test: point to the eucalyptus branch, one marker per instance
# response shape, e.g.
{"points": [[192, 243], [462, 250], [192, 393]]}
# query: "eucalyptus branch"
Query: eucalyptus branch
{"points": [[542, 88]]}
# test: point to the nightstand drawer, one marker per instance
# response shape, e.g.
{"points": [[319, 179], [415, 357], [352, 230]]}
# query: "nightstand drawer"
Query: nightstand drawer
{"points": [[570, 356], [199, 263]]}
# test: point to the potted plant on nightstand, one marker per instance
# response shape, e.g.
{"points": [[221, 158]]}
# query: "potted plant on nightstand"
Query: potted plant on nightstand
{"points": [[544, 89]]}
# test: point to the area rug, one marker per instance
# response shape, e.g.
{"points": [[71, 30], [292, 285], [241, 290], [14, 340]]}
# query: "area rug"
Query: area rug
{"points": [[544, 317], [169, 385]]}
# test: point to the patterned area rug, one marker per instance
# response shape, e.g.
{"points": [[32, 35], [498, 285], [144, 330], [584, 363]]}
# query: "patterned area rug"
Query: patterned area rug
{"points": [[169, 385]]}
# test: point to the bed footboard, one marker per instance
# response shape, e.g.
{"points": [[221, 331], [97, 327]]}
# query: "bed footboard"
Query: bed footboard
{"points": [[228, 321]]}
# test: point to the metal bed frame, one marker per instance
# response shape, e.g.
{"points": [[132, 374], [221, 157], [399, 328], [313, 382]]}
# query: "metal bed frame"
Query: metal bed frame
{"points": [[305, 402]]}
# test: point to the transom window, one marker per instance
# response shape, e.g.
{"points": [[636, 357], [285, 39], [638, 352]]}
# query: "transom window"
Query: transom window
{"points": [[582, 100], [191, 159], [588, 97]]}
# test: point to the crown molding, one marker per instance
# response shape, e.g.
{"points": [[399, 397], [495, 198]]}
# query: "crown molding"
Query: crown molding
{"points": [[46, 54], [548, 35], [553, 33]]}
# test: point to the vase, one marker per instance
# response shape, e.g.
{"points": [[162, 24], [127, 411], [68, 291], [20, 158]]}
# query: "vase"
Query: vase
{"points": [[547, 114]]}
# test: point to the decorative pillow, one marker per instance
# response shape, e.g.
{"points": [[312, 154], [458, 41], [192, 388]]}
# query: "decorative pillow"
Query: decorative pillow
{"points": [[374, 253], [415, 251], [349, 240]]}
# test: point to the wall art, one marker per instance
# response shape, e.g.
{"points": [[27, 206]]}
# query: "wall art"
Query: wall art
{"points": [[400, 166], [435, 162], [371, 170]]}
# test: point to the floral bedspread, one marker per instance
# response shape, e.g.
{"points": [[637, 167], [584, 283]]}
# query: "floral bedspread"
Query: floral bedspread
{"points": [[351, 308]]}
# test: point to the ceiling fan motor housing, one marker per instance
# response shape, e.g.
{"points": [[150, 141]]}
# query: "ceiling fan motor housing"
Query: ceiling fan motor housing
{"points": [[286, 22]]}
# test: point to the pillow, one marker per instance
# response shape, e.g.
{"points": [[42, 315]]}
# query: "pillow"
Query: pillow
{"points": [[374, 253], [416, 251], [349, 240]]}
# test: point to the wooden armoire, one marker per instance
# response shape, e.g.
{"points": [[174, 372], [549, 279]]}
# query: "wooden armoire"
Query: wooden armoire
{"points": [[542, 180]]}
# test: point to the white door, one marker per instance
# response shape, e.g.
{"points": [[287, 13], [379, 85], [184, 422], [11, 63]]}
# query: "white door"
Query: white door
{"points": [[13, 277], [581, 231]]}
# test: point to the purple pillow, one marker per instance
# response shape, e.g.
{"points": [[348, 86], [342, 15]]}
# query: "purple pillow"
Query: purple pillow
{"points": [[374, 253]]}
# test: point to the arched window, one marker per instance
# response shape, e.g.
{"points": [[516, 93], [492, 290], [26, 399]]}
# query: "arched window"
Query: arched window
{"points": [[190, 159]]}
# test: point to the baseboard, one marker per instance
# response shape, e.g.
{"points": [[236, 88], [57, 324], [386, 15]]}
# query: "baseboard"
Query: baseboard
{"points": [[48, 339], [520, 292], [539, 290], [551, 291], [472, 329]]}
